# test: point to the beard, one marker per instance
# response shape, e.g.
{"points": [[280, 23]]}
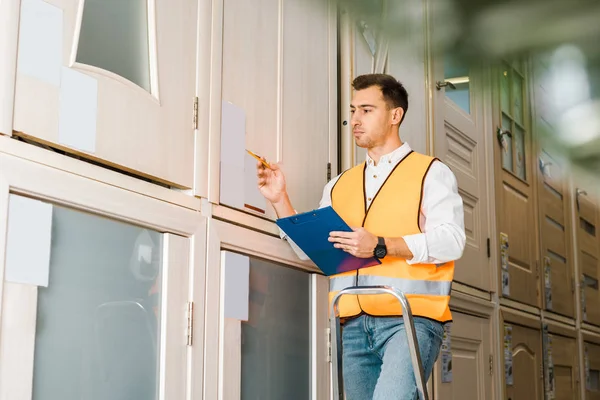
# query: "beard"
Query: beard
{"points": [[363, 141]]}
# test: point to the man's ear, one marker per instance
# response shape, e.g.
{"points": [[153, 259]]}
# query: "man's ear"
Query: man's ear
{"points": [[397, 114]]}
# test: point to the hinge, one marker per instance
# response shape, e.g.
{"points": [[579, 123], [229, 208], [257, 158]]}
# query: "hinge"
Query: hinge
{"points": [[537, 268], [190, 323], [195, 112], [491, 364], [328, 171], [328, 338], [489, 250]]}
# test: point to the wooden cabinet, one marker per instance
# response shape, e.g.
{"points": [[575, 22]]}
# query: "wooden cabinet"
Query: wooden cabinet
{"points": [[113, 82], [514, 180], [279, 69], [521, 338], [561, 361], [459, 140], [587, 246], [591, 366], [554, 207], [470, 347]]}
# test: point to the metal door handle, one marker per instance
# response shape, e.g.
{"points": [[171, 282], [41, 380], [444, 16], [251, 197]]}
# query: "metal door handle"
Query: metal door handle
{"points": [[543, 165], [440, 84], [579, 192], [500, 133]]}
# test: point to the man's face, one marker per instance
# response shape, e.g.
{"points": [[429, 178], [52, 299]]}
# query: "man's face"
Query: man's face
{"points": [[372, 121]]}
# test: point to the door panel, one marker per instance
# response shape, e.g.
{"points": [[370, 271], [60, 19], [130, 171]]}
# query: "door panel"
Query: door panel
{"points": [[121, 96], [592, 370], [554, 213], [470, 346], [286, 103], [514, 184], [565, 367], [587, 246], [525, 345], [458, 141]]}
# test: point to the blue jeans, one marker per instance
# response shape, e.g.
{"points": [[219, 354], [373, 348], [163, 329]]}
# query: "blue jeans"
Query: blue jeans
{"points": [[376, 360]]}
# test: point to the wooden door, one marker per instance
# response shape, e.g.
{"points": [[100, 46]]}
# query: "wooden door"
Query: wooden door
{"points": [[587, 247], [561, 363], [470, 347], [523, 358], [279, 71], [459, 142], [514, 179], [111, 81], [554, 210], [591, 364]]}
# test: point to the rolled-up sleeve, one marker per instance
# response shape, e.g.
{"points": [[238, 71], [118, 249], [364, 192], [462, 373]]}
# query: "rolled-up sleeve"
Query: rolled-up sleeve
{"points": [[441, 219]]}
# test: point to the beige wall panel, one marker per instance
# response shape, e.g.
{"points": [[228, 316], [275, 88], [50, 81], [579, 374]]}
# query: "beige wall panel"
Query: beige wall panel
{"points": [[471, 344]]}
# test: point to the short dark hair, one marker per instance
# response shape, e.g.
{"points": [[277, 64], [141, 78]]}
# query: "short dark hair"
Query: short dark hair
{"points": [[394, 93]]}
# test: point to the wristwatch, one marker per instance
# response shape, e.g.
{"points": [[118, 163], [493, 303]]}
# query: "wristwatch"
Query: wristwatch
{"points": [[380, 250]]}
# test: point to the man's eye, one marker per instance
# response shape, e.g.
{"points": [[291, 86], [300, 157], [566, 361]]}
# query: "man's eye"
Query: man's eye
{"points": [[352, 111], [367, 111]]}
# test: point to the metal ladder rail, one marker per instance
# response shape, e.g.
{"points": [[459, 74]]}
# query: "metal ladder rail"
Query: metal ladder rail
{"points": [[336, 339]]}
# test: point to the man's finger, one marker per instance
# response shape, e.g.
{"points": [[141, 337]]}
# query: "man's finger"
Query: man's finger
{"points": [[341, 234]]}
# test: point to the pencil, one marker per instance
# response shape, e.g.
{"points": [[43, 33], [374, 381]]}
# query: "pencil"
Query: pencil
{"points": [[259, 159]]}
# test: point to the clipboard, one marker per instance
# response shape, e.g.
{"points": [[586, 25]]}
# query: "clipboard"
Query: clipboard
{"points": [[310, 231]]}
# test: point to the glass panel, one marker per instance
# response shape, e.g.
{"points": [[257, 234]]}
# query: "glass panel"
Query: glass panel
{"points": [[519, 137], [276, 338], [114, 37], [507, 151], [505, 89], [458, 74], [97, 330], [517, 96]]}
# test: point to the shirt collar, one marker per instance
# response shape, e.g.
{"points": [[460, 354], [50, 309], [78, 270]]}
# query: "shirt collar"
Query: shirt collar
{"points": [[392, 158]]}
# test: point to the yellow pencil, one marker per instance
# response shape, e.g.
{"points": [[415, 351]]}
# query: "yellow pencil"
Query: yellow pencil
{"points": [[259, 159]]}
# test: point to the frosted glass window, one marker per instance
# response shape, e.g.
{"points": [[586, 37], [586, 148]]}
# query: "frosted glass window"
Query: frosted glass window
{"points": [[517, 82], [97, 330], [114, 37], [505, 89], [519, 137], [507, 150], [276, 337], [458, 74]]}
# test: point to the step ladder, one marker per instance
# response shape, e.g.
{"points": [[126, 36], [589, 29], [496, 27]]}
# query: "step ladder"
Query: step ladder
{"points": [[336, 337]]}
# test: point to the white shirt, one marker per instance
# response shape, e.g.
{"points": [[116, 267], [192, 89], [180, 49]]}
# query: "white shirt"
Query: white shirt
{"points": [[441, 216]]}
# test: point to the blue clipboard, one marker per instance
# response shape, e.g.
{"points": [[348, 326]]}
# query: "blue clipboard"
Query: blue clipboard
{"points": [[310, 231]]}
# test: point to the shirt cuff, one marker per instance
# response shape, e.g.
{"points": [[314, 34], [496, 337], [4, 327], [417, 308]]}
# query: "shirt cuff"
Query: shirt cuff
{"points": [[418, 247]]}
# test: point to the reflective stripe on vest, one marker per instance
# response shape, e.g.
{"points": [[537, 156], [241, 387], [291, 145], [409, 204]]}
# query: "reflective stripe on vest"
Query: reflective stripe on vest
{"points": [[393, 212], [407, 286]]}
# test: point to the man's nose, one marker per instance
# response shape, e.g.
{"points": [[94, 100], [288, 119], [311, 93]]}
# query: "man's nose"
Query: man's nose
{"points": [[354, 120]]}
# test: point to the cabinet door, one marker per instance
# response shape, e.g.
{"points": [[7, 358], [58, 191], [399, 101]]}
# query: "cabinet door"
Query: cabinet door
{"points": [[555, 233], [279, 71], [588, 249], [93, 306], [564, 373], [514, 184], [554, 210], [470, 346], [592, 370], [459, 143], [111, 81], [522, 362]]}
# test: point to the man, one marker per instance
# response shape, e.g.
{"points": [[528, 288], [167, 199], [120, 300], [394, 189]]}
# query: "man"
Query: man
{"points": [[404, 208]]}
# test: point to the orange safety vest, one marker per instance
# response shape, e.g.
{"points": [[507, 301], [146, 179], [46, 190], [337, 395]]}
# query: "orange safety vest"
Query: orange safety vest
{"points": [[394, 212]]}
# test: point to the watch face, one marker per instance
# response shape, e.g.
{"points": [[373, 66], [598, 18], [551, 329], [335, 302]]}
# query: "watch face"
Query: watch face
{"points": [[380, 252]]}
